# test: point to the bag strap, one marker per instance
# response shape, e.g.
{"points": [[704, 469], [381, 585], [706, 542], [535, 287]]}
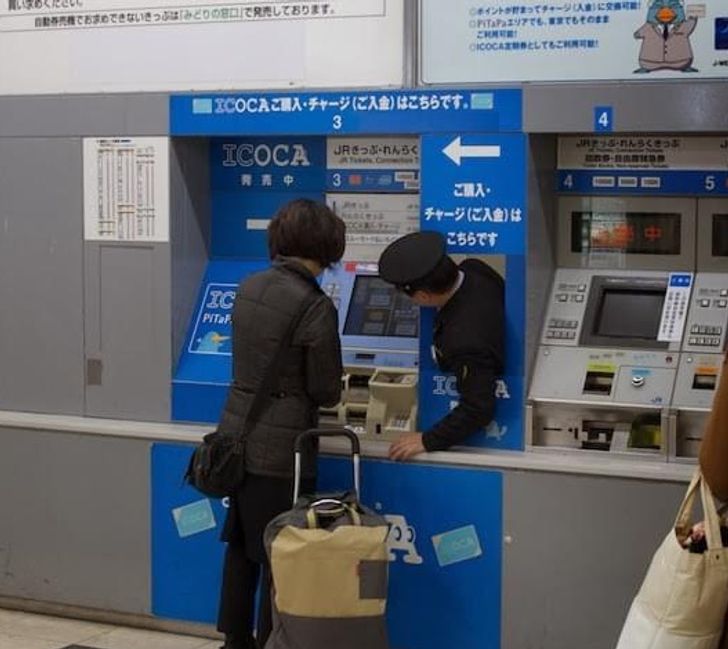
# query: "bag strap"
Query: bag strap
{"points": [[710, 514], [271, 373]]}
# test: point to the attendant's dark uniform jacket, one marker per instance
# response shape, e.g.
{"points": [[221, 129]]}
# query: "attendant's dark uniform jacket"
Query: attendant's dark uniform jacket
{"points": [[469, 342]]}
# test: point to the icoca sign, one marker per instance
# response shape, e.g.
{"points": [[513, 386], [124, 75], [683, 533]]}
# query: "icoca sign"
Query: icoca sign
{"points": [[248, 154]]}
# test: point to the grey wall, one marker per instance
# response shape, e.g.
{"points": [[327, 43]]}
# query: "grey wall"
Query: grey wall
{"points": [[52, 285], [75, 115], [41, 275], [648, 107], [127, 317], [580, 548], [75, 521], [189, 230], [541, 237]]}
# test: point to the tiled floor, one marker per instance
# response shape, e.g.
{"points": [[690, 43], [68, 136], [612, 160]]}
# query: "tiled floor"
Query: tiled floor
{"points": [[30, 631]]}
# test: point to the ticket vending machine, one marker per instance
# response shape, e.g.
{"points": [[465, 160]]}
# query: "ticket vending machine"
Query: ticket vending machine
{"points": [[706, 329], [372, 183], [610, 346], [379, 329]]}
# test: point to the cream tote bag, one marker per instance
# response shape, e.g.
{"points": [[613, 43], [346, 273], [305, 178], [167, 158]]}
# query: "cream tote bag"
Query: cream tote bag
{"points": [[683, 599]]}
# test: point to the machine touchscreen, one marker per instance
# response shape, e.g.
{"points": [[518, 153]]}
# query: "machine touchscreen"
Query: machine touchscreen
{"points": [[378, 309], [630, 314]]}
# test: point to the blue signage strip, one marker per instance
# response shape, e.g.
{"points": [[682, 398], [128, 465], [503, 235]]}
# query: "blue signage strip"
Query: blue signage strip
{"points": [[653, 182], [250, 178], [391, 112], [474, 191], [437, 390], [271, 164], [453, 543], [390, 181]]}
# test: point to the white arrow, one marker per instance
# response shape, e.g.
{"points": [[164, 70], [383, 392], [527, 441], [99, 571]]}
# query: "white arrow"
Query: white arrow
{"points": [[457, 150]]}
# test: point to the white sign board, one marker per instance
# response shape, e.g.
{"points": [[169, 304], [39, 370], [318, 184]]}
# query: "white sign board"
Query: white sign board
{"points": [[643, 152], [532, 40], [83, 46], [373, 153], [376, 219], [126, 189]]}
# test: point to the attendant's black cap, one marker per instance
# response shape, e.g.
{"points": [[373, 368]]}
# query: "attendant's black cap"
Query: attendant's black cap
{"points": [[411, 258]]}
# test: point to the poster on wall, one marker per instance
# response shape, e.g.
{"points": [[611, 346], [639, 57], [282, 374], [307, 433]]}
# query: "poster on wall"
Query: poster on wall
{"points": [[126, 189], [82, 46], [532, 40]]}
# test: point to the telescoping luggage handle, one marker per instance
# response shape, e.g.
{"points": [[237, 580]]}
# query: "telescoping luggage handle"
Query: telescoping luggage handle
{"points": [[326, 432]]}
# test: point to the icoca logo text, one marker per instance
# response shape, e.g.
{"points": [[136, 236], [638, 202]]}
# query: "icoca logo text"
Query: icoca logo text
{"points": [[265, 155]]}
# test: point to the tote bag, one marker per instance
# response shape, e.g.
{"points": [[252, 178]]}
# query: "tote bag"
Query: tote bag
{"points": [[683, 599]]}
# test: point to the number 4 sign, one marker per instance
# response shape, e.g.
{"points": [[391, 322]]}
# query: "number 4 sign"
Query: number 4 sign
{"points": [[603, 119]]}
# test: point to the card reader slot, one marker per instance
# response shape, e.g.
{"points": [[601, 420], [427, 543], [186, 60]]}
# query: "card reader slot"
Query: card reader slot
{"points": [[598, 382], [704, 381]]}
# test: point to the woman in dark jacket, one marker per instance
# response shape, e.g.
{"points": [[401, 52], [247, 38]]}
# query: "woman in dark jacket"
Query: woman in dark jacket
{"points": [[304, 238]]}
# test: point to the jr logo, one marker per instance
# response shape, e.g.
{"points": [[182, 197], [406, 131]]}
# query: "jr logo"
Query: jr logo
{"points": [[402, 538]]}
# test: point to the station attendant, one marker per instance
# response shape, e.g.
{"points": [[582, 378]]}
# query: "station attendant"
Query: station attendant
{"points": [[468, 336]]}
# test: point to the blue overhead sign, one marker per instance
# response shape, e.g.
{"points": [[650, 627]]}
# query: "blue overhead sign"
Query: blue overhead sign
{"points": [[390, 112], [647, 183], [473, 191], [250, 179]]}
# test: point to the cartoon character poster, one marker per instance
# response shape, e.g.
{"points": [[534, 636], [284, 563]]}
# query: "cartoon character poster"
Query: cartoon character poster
{"points": [[531, 40], [665, 38]]}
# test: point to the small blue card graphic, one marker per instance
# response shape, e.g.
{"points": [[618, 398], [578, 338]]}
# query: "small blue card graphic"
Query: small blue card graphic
{"points": [[194, 518], [457, 545]]}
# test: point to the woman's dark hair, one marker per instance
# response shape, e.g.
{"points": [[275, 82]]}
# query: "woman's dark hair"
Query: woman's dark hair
{"points": [[440, 280], [307, 229]]}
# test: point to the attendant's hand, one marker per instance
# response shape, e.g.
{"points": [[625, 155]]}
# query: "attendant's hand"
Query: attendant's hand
{"points": [[406, 447]]}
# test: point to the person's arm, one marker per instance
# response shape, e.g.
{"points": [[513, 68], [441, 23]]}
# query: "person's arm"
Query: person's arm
{"points": [[688, 26], [320, 337], [642, 31], [714, 448], [476, 384]]}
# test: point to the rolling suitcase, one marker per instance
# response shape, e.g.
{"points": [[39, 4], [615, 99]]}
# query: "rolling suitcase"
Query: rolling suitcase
{"points": [[328, 558]]}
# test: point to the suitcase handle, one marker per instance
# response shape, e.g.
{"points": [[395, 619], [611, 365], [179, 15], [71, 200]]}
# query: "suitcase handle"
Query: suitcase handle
{"points": [[326, 432]]}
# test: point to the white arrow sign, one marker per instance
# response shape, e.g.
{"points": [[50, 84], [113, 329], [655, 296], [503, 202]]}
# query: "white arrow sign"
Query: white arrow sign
{"points": [[456, 150]]}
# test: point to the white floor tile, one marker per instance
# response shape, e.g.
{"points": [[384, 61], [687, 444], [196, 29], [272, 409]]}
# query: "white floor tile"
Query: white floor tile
{"points": [[122, 638], [49, 628]]}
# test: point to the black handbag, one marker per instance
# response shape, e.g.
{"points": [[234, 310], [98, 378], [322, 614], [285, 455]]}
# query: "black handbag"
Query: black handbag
{"points": [[217, 465]]}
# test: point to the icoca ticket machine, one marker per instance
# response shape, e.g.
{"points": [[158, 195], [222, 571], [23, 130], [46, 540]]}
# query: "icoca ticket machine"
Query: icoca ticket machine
{"points": [[632, 340], [379, 330]]}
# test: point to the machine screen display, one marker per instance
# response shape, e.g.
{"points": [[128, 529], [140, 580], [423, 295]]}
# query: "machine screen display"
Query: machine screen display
{"points": [[720, 235], [378, 309], [635, 233], [632, 313]]}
